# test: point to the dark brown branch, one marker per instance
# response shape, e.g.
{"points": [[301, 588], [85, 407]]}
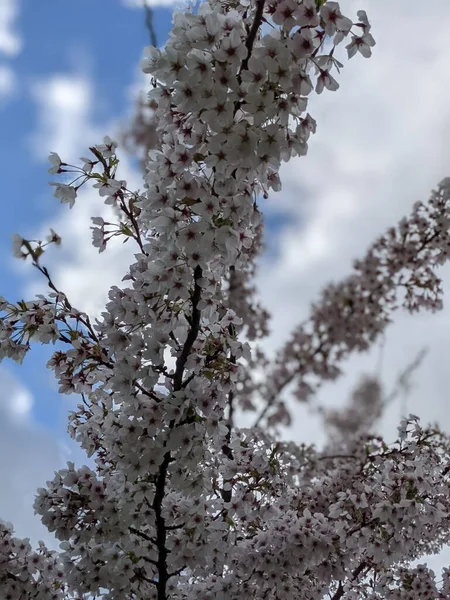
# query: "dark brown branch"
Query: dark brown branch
{"points": [[253, 32], [288, 379], [226, 449], [161, 527], [177, 572], [149, 560], [86, 322], [141, 534], [340, 591], [192, 335], [161, 531]]}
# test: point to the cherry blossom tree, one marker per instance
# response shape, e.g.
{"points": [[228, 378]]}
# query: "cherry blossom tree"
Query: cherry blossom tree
{"points": [[182, 502]]}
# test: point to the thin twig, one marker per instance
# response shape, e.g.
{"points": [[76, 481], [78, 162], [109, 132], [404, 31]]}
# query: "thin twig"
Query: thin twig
{"points": [[253, 32], [149, 24], [340, 591], [193, 332]]}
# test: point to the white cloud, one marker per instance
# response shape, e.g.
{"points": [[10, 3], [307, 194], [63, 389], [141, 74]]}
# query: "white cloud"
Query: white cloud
{"points": [[66, 125], [77, 268], [10, 41], [64, 103], [15, 400], [10, 45]]}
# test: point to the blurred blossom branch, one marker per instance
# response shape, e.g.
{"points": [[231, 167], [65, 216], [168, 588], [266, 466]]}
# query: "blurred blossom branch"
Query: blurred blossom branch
{"points": [[367, 405]]}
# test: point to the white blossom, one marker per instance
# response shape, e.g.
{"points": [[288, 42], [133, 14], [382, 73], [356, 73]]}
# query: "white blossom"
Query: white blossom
{"points": [[180, 503]]}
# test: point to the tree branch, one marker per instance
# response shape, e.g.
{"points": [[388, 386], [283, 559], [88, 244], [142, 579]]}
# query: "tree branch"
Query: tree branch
{"points": [[193, 332], [161, 528], [253, 32], [149, 24], [340, 591]]}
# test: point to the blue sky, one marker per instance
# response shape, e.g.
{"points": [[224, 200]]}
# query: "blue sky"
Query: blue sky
{"points": [[68, 76], [103, 39]]}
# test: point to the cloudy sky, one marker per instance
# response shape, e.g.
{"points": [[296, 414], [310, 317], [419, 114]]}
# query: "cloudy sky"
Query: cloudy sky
{"points": [[69, 76]]}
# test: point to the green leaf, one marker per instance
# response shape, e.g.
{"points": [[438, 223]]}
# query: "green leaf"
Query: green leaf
{"points": [[125, 230]]}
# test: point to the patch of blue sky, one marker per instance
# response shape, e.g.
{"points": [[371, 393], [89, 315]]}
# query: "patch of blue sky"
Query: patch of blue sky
{"points": [[102, 40], [274, 222]]}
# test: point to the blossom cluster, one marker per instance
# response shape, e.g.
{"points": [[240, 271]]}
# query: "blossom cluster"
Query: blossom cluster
{"points": [[25, 573], [182, 504], [325, 524], [359, 416]]}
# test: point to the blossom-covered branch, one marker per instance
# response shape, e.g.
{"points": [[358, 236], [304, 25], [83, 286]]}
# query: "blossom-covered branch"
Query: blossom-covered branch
{"points": [[399, 269], [182, 504]]}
